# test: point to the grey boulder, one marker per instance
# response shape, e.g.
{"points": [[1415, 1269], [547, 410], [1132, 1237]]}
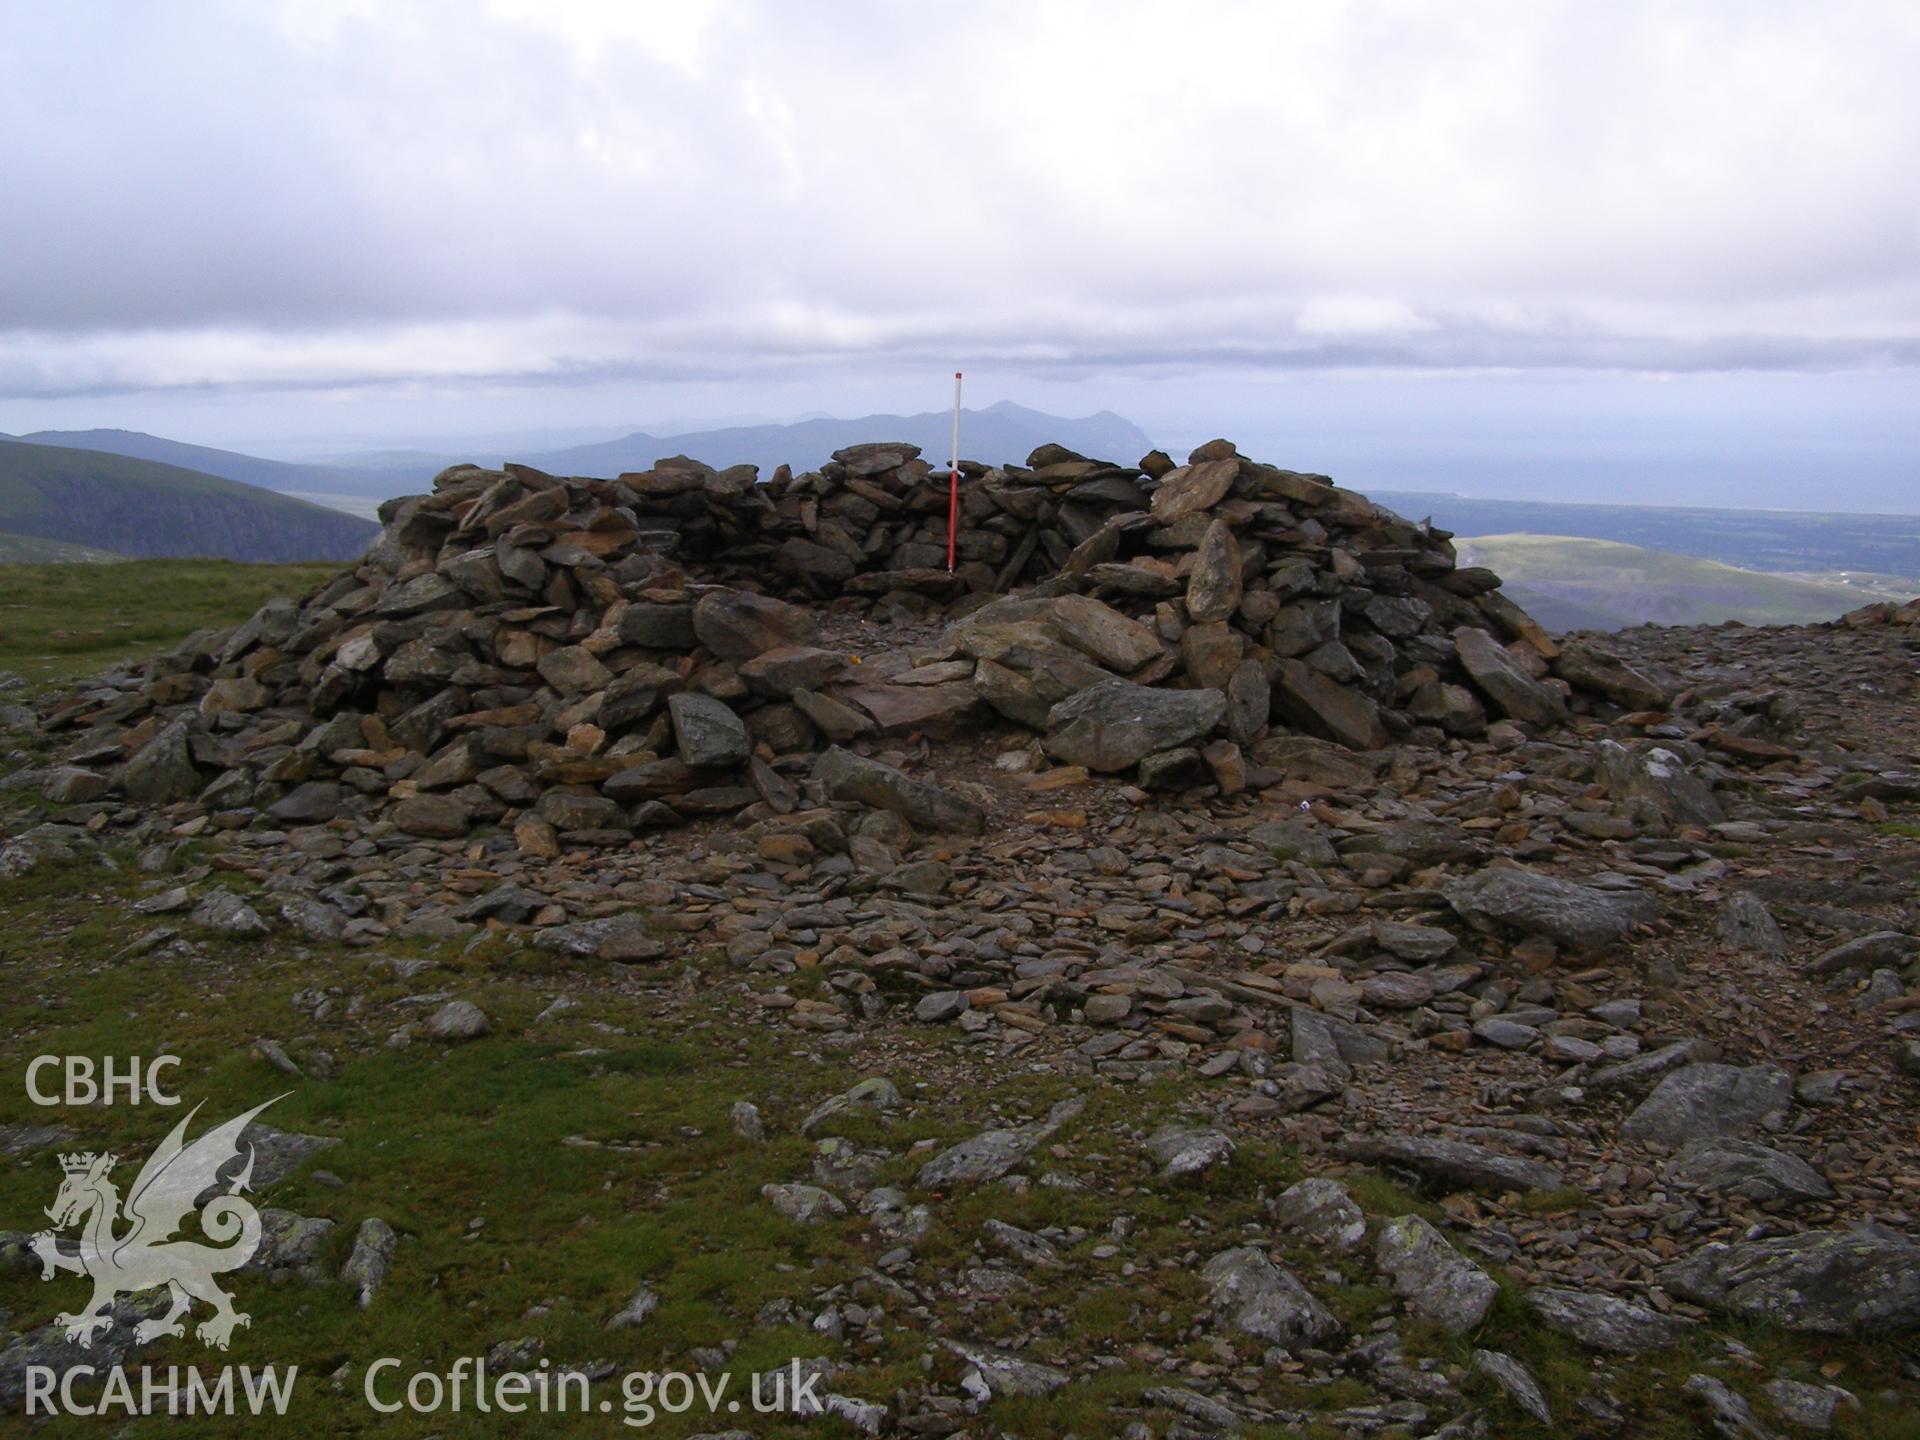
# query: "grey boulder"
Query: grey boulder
{"points": [[707, 734], [1115, 724], [803, 1204], [1659, 779], [1440, 1285], [1697, 1102], [1578, 917], [1260, 1299], [1323, 1211], [846, 776], [1606, 1322], [1181, 1151], [1743, 1167], [1828, 1282], [1453, 1164], [1498, 676]]}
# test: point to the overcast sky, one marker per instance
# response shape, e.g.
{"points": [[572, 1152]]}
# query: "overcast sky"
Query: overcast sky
{"points": [[259, 223]]}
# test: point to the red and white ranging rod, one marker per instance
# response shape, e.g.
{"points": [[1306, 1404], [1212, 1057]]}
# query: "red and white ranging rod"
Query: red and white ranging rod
{"points": [[953, 476]]}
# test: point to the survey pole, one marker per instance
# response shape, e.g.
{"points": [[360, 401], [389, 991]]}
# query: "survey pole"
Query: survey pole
{"points": [[953, 476]]}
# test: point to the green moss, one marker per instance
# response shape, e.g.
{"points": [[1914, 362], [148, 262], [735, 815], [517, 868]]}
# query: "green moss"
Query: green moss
{"points": [[60, 621]]}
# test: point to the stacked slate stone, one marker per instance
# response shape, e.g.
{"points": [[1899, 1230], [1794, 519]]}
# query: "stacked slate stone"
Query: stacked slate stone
{"points": [[583, 657]]}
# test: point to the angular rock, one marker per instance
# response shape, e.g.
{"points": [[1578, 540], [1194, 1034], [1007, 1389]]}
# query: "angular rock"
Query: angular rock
{"points": [[1827, 1282], [1516, 1380], [1303, 626], [1116, 723], [1883, 948], [1102, 632], [1181, 1151], [436, 817], [162, 770], [1658, 778], [1213, 588], [455, 1021], [1323, 1211], [1258, 1298], [1742, 1167], [1004, 1373], [933, 709], [1192, 489], [1453, 1164], [1572, 915], [653, 626], [846, 776], [738, 625], [1747, 924], [1323, 707], [1701, 1101], [1499, 677], [707, 734], [1606, 1322], [804, 1204], [574, 670], [1586, 666], [1440, 1285], [366, 1268], [781, 671]]}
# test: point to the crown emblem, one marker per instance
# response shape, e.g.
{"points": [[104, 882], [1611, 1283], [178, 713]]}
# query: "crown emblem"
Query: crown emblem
{"points": [[81, 1161]]}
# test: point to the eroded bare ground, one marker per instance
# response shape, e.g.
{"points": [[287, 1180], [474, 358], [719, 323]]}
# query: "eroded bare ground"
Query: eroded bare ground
{"points": [[1625, 1099]]}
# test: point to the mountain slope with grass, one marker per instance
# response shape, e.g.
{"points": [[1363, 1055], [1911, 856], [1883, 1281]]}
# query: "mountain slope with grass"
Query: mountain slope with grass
{"points": [[1573, 583], [140, 507], [31, 550], [227, 464], [61, 621], [1775, 542]]}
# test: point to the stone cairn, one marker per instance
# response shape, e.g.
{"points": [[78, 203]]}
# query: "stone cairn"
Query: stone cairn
{"points": [[581, 658]]}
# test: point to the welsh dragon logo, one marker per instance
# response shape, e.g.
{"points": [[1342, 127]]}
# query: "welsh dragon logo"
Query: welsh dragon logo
{"points": [[144, 1256]]}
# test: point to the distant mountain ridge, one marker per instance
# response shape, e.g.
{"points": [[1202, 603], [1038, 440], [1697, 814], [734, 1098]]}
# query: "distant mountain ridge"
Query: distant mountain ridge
{"points": [[1000, 434], [227, 464], [1806, 543], [137, 507]]}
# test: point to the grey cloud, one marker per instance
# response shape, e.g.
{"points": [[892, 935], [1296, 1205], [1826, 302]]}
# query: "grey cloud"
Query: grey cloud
{"points": [[285, 196]]}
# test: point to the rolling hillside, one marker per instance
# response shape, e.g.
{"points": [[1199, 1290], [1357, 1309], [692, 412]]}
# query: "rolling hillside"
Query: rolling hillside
{"points": [[31, 550], [999, 433], [227, 464], [138, 507], [1775, 541], [1573, 583]]}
